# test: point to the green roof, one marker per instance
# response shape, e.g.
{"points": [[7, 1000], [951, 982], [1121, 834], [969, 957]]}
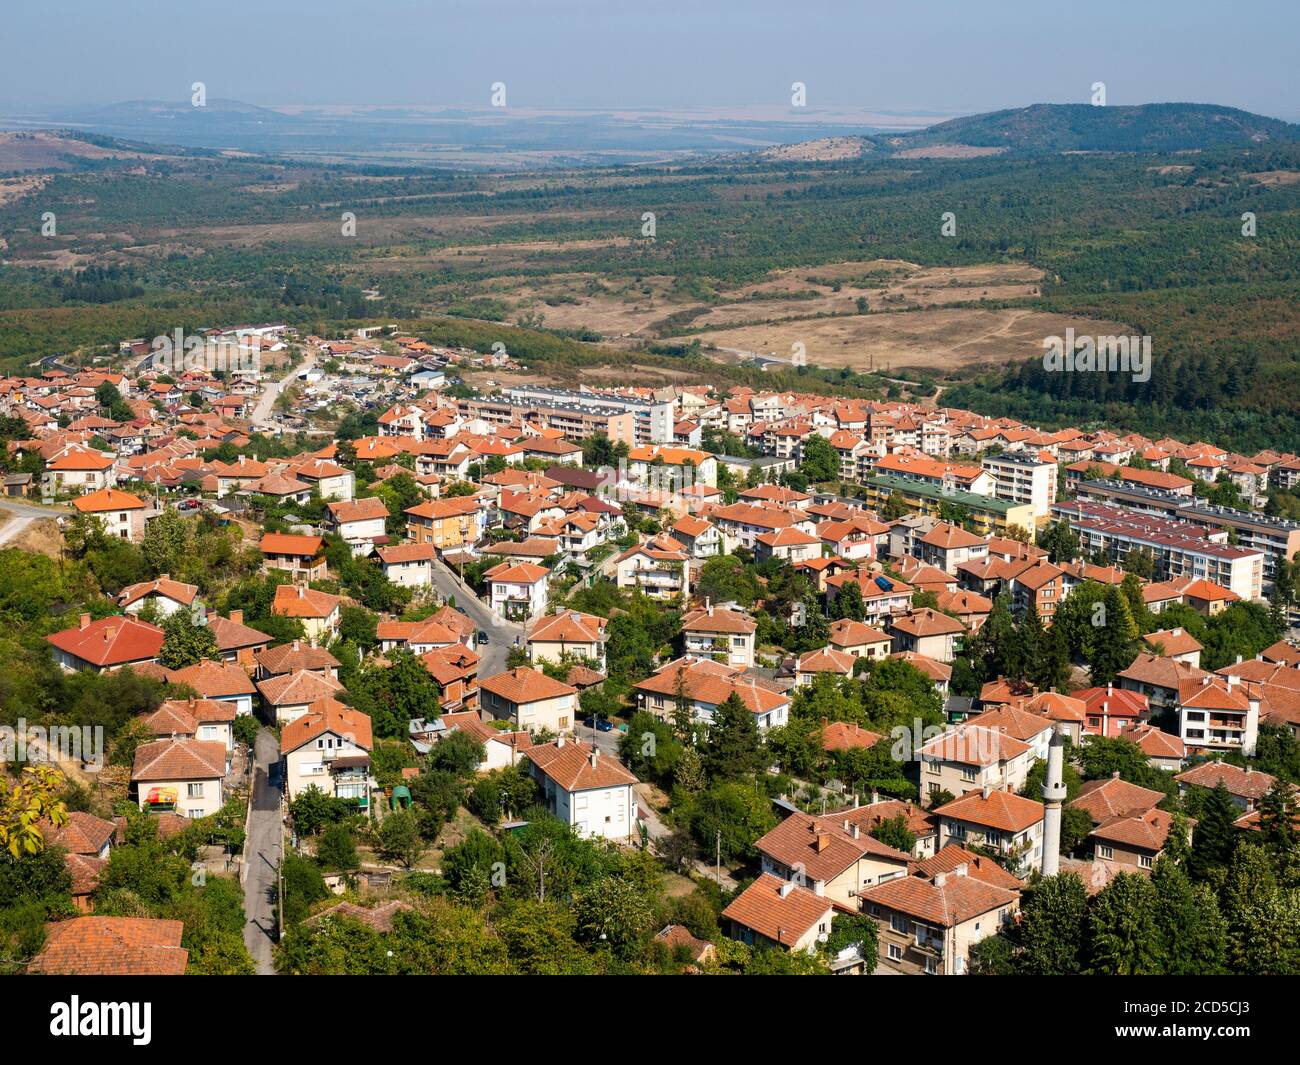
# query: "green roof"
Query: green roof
{"points": [[969, 500]]}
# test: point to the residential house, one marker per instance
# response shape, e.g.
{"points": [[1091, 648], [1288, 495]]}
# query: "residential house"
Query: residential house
{"points": [[328, 748], [529, 699], [585, 788], [181, 776]]}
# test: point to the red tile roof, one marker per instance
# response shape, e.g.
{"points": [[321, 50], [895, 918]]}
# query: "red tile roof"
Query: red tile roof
{"points": [[112, 946]]}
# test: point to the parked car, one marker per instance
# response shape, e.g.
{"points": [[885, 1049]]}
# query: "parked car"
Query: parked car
{"points": [[600, 724], [483, 636]]}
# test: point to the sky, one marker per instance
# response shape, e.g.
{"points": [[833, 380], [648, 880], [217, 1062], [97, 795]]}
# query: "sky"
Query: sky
{"points": [[921, 56]]}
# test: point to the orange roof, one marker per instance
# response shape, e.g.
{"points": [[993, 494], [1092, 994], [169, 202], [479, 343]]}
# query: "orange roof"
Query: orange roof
{"points": [[524, 685], [107, 499], [301, 602], [570, 764], [112, 946], [327, 715], [1002, 810], [287, 544], [946, 900], [783, 919], [517, 573], [111, 641], [179, 759]]}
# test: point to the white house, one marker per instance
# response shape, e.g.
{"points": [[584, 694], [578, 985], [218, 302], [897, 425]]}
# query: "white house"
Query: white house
{"points": [[585, 788]]}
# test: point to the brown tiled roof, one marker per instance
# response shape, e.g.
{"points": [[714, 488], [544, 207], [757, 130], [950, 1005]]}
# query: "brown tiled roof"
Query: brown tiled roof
{"points": [[568, 626], [366, 508], [111, 641], [112, 946], [85, 872], [843, 735], [1002, 810], [848, 633], [944, 901], [303, 602], [568, 763], [295, 656], [972, 744], [1014, 722], [181, 593], [83, 833], [822, 846], [303, 686], [212, 680], [1104, 799], [524, 685], [179, 759], [825, 660], [234, 635], [761, 908], [1156, 743], [1146, 831], [977, 866], [927, 622], [400, 553], [380, 917], [1246, 783], [326, 715]]}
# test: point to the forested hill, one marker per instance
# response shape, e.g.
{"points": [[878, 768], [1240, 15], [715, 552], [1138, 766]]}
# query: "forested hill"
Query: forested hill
{"points": [[1083, 127]]}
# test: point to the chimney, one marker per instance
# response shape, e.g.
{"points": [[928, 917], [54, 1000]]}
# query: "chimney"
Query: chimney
{"points": [[302, 591], [1232, 681], [940, 879], [237, 616], [708, 605], [296, 644], [985, 791], [786, 888], [559, 742], [875, 797], [85, 621], [593, 756], [1239, 660], [855, 831], [959, 870], [823, 841], [1110, 689]]}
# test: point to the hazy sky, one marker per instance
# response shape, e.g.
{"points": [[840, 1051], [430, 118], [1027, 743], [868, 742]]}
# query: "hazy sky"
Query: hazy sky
{"points": [[904, 55]]}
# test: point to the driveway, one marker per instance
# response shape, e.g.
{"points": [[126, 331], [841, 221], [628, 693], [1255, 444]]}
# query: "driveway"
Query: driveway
{"points": [[501, 633], [262, 856]]}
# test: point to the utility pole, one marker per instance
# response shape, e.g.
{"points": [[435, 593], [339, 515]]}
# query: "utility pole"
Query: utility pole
{"points": [[718, 857]]}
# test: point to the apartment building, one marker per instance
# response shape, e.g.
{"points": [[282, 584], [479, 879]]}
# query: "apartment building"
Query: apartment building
{"points": [[1023, 477], [1180, 548]]}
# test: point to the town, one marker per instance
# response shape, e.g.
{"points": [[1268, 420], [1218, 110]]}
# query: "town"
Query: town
{"points": [[394, 673]]}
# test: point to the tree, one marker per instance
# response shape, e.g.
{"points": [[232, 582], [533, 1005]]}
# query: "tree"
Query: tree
{"points": [[24, 804], [337, 849], [1193, 934], [1053, 916], [167, 543], [613, 911], [1123, 936], [894, 833], [819, 461], [399, 837], [312, 810], [1215, 836], [469, 866], [185, 643], [730, 816], [725, 579], [848, 602], [733, 747]]}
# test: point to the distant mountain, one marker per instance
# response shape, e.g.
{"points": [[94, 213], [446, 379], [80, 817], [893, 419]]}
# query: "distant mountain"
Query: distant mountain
{"points": [[1085, 128]]}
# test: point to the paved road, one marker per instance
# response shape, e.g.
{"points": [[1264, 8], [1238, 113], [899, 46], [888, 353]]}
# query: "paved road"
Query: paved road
{"points": [[262, 857], [262, 412], [501, 634], [22, 515]]}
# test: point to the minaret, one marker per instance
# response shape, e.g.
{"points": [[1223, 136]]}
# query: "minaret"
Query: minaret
{"points": [[1053, 796]]}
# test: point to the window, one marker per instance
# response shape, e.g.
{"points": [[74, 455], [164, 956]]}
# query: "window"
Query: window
{"points": [[898, 923], [1105, 852], [1145, 861], [194, 791], [895, 952]]}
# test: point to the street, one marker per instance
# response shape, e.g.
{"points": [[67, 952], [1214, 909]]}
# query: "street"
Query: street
{"points": [[262, 856], [23, 514], [501, 633], [262, 412]]}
